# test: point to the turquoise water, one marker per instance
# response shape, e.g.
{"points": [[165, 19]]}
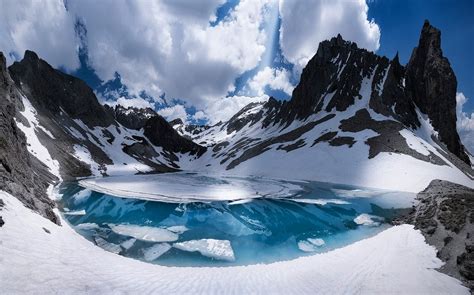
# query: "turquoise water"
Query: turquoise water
{"points": [[259, 231]]}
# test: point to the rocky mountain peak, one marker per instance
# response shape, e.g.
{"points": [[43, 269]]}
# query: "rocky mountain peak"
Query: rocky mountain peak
{"points": [[431, 84], [54, 91]]}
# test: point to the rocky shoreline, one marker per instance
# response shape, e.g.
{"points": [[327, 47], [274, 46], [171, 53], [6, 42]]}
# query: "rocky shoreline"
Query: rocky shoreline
{"points": [[445, 216]]}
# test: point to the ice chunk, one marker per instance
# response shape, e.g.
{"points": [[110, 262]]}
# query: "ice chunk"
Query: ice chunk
{"points": [[144, 233], [82, 196], [178, 229], [310, 244], [155, 251], [111, 247], [87, 226], [128, 243], [367, 219], [217, 249], [79, 212]]}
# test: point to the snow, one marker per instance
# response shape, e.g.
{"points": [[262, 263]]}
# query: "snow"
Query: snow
{"points": [[395, 261], [310, 244], [35, 147], [144, 233], [155, 251], [83, 155], [217, 249], [414, 142], [367, 219], [186, 187]]}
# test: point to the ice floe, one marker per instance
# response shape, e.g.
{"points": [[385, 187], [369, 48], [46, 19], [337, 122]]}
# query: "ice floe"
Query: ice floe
{"points": [[155, 251], [310, 244], [78, 212], [217, 249], [87, 226], [178, 229], [368, 219], [144, 233], [111, 247], [191, 187], [128, 243]]}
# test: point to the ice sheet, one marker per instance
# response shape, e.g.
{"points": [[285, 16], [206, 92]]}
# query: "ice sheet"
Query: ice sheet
{"points": [[190, 187]]}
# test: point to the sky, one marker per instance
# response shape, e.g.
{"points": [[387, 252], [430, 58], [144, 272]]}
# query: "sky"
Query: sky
{"points": [[202, 61]]}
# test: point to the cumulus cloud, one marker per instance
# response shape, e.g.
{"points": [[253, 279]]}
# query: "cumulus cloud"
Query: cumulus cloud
{"points": [[306, 23], [223, 109], [170, 46], [42, 25], [465, 123], [175, 112], [276, 79]]}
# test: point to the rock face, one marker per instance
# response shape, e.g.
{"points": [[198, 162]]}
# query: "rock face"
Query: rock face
{"points": [[445, 216], [51, 91], [131, 117], [432, 85], [160, 133], [20, 173]]}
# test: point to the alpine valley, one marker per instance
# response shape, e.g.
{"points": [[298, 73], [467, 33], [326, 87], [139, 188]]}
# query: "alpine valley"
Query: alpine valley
{"points": [[358, 125]]}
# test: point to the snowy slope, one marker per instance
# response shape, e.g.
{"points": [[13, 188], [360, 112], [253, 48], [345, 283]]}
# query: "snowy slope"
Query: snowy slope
{"points": [[396, 261]]}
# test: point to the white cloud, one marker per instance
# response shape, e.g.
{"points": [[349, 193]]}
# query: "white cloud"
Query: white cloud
{"points": [[174, 112], [465, 123], [306, 23], [130, 102], [276, 79], [169, 47], [43, 26], [223, 109]]}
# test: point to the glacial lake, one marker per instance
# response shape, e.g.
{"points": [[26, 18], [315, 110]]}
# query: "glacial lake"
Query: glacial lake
{"points": [[191, 219]]}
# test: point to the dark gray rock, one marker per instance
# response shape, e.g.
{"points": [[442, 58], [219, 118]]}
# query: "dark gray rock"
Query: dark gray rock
{"points": [[160, 133], [51, 91], [131, 117], [431, 84], [445, 216], [21, 174]]}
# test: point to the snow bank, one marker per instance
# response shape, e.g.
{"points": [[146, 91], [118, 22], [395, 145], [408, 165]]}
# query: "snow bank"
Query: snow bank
{"points": [[396, 261]]}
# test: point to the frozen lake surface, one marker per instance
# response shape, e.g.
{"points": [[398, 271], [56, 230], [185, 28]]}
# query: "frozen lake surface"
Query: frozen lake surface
{"points": [[189, 219]]}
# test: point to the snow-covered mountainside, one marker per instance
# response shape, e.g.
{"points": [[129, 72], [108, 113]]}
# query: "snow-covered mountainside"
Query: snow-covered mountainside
{"points": [[355, 118]]}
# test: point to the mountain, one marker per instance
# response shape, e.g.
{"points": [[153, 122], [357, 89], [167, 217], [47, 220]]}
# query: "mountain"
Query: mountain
{"points": [[355, 118]]}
